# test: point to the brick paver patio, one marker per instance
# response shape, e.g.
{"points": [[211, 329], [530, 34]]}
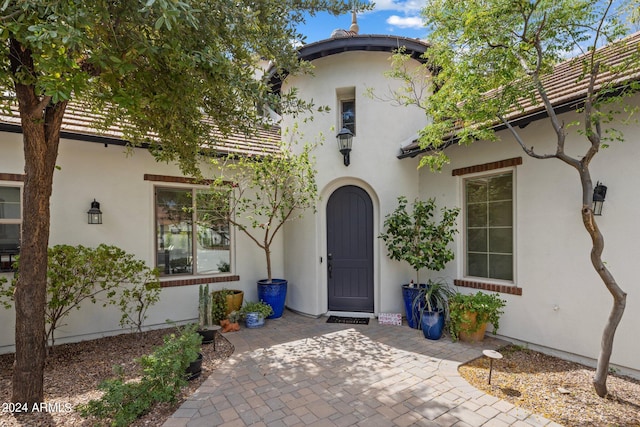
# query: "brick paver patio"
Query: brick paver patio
{"points": [[300, 371]]}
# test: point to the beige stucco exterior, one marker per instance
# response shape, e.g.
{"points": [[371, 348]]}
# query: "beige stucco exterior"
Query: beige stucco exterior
{"points": [[381, 128], [563, 306], [115, 178]]}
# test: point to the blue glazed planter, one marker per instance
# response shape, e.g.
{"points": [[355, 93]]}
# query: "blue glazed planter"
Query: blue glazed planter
{"points": [[409, 294], [274, 294], [432, 324], [254, 320]]}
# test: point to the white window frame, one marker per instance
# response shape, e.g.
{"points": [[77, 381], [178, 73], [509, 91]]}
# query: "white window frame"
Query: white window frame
{"points": [[463, 229], [156, 246], [6, 257], [346, 94]]}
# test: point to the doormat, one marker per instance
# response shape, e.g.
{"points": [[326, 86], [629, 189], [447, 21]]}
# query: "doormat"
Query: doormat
{"points": [[349, 320]]}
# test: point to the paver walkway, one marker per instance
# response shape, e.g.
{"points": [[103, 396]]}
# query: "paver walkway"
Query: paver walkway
{"points": [[299, 371]]}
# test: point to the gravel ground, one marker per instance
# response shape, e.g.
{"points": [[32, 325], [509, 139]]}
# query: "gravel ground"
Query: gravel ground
{"points": [[74, 371], [560, 390]]}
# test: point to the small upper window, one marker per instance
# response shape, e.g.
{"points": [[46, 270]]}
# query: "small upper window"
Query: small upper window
{"points": [[10, 221], [348, 114]]}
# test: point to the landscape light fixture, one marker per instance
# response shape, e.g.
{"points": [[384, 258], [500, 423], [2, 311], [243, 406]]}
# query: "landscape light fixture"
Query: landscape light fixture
{"points": [[599, 194], [345, 139], [95, 214]]}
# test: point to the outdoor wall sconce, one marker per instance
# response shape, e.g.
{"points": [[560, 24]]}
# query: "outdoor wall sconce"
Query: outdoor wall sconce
{"points": [[95, 214], [345, 138], [599, 194]]}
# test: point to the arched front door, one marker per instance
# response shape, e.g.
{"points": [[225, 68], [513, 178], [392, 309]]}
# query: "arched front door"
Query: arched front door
{"points": [[350, 250]]}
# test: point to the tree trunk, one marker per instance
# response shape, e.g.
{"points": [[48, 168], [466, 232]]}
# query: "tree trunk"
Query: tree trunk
{"points": [[619, 296], [267, 252], [41, 124]]}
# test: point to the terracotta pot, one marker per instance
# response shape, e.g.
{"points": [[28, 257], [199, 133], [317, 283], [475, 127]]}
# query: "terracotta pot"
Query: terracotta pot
{"points": [[476, 336]]}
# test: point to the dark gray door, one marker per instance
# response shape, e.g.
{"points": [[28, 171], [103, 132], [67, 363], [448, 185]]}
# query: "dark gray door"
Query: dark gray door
{"points": [[350, 250]]}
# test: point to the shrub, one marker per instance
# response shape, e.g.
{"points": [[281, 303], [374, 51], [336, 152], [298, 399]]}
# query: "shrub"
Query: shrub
{"points": [[134, 302], [79, 273], [163, 376]]}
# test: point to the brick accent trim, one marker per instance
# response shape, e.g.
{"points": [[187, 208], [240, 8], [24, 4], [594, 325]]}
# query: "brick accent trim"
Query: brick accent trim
{"points": [[492, 287], [12, 177], [198, 281], [488, 166]]}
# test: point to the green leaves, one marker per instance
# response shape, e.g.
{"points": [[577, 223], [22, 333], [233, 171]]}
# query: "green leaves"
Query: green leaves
{"points": [[178, 75], [414, 236], [267, 191], [79, 273], [163, 376], [487, 307], [492, 58]]}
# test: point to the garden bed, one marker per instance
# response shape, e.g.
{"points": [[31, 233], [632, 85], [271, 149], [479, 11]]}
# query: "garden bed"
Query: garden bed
{"points": [[73, 372]]}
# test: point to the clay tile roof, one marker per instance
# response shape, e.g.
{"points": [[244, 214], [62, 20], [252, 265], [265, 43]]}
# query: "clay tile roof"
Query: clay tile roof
{"points": [[81, 124], [567, 87]]}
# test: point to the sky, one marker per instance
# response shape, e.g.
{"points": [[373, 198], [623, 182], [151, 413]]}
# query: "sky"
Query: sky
{"points": [[389, 17]]}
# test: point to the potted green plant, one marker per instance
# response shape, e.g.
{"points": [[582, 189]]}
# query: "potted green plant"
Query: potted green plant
{"points": [[208, 314], [267, 192], [470, 313], [219, 306], [255, 313], [433, 304], [414, 236]]}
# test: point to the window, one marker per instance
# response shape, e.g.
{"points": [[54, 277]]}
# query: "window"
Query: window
{"points": [[192, 232], [10, 221], [489, 226], [346, 106], [348, 114]]}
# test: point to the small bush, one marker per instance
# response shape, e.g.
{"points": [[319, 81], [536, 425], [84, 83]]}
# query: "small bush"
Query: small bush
{"points": [[78, 273], [163, 376]]}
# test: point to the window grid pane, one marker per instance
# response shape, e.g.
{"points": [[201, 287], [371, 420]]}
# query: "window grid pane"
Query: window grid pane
{"points": [[489, 226], [174, 230], [10, 224], [348, 115], [192, 235]]}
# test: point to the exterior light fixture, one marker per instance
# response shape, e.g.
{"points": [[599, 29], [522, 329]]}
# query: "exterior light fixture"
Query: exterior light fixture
{"points": [[345, 138], [95, 214], [599, 194]]}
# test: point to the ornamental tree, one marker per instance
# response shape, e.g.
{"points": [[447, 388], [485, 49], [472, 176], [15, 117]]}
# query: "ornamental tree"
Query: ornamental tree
{"points": [[169, 72], [258, 195], [414, 236], [491, 59]]}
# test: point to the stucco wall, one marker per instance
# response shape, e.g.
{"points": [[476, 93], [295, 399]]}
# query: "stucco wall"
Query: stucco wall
{"points": [[115, 179], [564, 305], [380, 129]]}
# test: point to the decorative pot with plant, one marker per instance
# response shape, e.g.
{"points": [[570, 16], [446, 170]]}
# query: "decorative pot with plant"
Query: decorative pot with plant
{"points": [[234, 300], [433, 304], [206, 325], [255, 313], [219, 305], [415, 237], [470, 313], [195, 368], [267, 191]]}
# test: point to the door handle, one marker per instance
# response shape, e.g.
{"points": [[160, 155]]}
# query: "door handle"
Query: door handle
{"points": [[330, 265]]}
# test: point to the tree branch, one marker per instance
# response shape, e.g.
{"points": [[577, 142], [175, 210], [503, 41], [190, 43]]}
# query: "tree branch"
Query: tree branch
{"points": [[519, 140]]}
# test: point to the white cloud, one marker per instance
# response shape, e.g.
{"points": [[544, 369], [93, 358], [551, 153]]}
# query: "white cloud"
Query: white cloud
{"points": [[406, 22], [407, 7]]}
